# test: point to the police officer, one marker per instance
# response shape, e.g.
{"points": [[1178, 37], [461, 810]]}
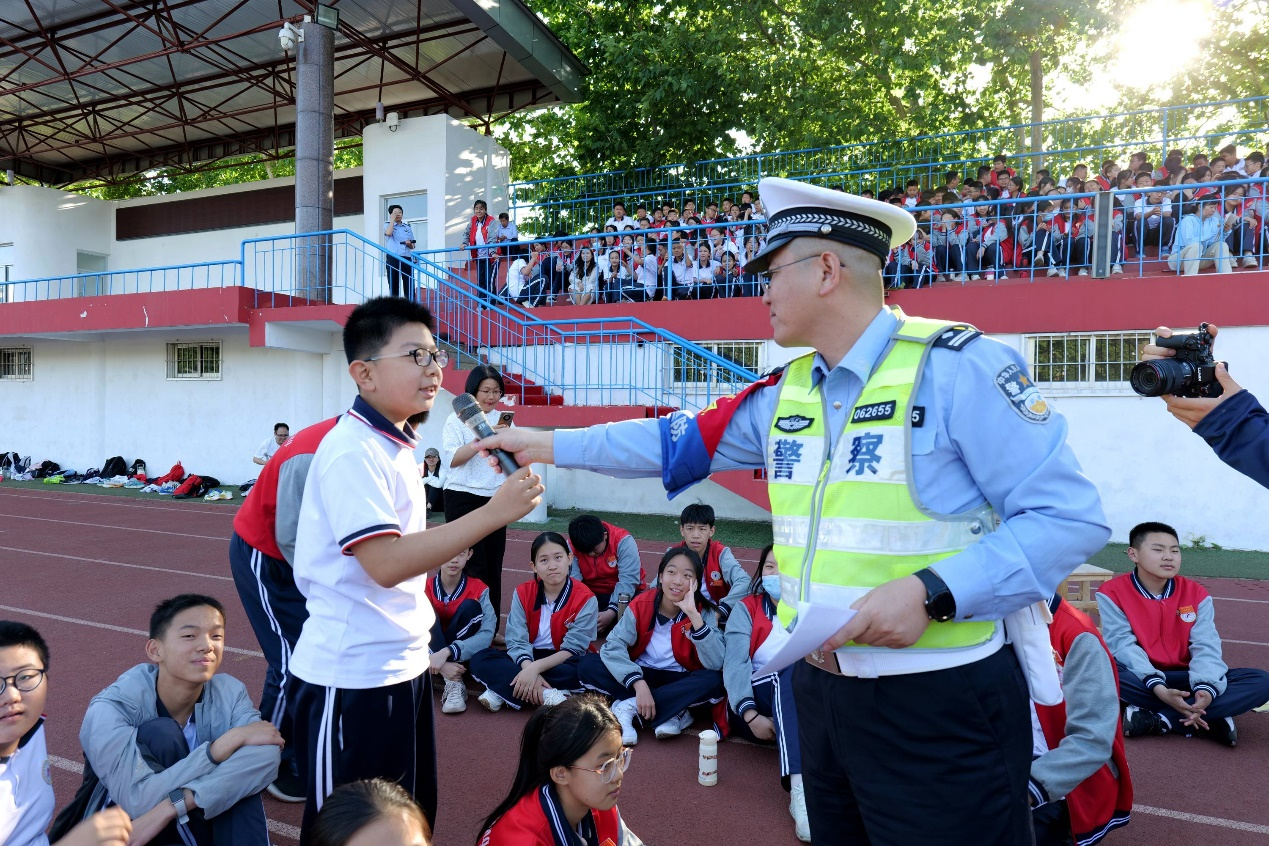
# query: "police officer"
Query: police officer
{"points": [[916, 476]]}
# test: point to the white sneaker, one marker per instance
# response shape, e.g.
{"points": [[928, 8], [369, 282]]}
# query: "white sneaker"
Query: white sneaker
{"points": [[940, 278], [1003, 275], [454, 699], [1052, 271], [797, 808], [1117, 269], [553, 696], [674, 726], [1249, 260], [491, 701], [626, 711], [1083, 271], [975, 277], [1063, 274]]}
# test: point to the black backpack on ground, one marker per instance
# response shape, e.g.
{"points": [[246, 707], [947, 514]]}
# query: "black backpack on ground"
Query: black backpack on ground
{"points": [[114, 466], [45, 469], [137, 467]]}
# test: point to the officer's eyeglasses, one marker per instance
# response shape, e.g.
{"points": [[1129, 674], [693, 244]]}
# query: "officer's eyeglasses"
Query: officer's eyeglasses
{"points": [[764, 277], [609, 769], [28, 680], [421, 357]]}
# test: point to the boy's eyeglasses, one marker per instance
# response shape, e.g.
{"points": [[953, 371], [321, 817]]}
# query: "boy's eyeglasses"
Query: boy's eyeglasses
{"points": [[421, 357], [609, 769], [28, 680]]}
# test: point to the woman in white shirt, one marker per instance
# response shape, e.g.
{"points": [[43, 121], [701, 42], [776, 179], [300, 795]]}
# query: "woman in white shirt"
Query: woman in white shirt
{"points": [[470, 482], [585, 281]]}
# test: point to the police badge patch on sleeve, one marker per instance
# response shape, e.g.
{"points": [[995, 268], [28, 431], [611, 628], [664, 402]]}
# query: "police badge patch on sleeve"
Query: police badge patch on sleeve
{"points": [[1022, 394]]}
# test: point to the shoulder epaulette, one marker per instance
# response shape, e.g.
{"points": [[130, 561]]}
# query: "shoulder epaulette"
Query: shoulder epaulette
{"points": [[956, 337]]}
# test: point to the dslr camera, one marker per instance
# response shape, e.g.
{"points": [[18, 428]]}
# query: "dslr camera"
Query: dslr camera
{"points": [[1190, 373]]}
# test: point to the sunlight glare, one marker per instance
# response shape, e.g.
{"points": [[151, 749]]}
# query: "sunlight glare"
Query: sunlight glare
{"points": [[1142, 60]]}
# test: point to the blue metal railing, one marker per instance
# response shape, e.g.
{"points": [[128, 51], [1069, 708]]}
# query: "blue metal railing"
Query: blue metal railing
{"points": [[588, 361], [212, 274], [539, 203]]}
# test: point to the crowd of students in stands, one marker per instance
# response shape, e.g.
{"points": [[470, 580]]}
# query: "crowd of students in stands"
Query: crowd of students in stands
{"points": [[969, 229]]}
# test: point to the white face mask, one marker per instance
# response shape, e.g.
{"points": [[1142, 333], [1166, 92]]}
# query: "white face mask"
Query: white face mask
{"points": [[771, 584]]}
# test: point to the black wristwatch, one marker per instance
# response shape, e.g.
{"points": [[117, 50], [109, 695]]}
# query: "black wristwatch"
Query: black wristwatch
{"points": [[940, 605]]}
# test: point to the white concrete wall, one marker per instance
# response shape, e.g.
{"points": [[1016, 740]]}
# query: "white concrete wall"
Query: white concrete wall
{"points": [[90, 400], [47, 227], [455, 166]]}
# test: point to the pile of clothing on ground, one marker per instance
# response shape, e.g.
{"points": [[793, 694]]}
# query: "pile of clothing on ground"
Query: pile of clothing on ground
{"points": [[115, 473]]}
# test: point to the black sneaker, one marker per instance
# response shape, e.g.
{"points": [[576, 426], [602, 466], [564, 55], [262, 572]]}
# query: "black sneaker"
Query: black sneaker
{"points": [[1222, 731], [1139, 722], [288, 788]]}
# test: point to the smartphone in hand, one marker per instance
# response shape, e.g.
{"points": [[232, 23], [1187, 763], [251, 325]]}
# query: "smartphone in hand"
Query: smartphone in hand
{"points": [[506, 418]]}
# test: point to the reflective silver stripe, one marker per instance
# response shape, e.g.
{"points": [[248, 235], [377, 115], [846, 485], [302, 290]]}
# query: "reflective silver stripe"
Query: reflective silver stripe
{"points": [[877, 537]]}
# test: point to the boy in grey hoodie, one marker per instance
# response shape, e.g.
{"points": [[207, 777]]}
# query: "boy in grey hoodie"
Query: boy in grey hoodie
{"points": [[179, 746]]}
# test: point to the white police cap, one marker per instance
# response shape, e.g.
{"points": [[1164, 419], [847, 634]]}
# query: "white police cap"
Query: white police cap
{"points": [[795, 209]]}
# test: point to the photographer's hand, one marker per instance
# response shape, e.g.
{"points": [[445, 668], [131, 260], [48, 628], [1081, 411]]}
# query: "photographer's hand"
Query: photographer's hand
{"points": [[1191, 411]]}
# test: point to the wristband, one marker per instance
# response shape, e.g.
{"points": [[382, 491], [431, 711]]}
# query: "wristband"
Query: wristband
{"points": [[755, 716]]}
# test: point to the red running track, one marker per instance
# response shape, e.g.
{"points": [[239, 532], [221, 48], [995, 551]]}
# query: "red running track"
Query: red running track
{"points": [[87, 569]]}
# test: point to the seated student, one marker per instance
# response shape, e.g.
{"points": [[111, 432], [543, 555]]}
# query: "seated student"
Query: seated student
{"points": [[176, 737], [1200, 239], [1080, 785], [764, 709], [26, 788], [606, 560], [725, 581], [371, 812], [1152, 218], [550, 627], [1160, 626], [567, 781], [665, 655], [465, 620]]}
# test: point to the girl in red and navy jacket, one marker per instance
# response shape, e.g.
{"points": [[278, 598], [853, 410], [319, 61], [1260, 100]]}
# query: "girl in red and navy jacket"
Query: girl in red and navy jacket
{"points": [[665, 655], [1161, 628], [551, 625], [1081, 785], [763, 709], [567, 782], [465, 620]]}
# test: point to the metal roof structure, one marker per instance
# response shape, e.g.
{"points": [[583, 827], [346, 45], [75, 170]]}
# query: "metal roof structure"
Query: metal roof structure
{"points": [[107, 90]]}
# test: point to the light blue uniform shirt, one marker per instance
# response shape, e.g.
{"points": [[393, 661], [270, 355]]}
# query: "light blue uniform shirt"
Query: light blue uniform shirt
{"points": [[401, 233], [975, 445]]}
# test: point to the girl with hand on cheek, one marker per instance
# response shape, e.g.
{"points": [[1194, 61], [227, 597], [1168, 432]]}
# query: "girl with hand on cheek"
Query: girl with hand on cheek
{"points": [[665, 655], [551, 625], [568, 780]]}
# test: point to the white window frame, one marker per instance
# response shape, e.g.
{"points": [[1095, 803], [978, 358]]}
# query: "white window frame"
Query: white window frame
{"points": [[11, 364], [204, 372], [729, 350], [6, 271], [1089, 365]]}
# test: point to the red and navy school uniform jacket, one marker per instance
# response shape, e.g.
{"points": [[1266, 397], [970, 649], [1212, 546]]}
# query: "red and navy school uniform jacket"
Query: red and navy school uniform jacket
{"points": [[994, 178], [1104, 182], [484, 227], [600, 572], [760, 611], [573, 597], [256, 520], [715, 584], [538, 820], [1103, 801], [469, 587]]}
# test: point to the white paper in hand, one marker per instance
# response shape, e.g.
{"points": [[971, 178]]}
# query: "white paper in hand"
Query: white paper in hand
{"points": [[814, 625]]}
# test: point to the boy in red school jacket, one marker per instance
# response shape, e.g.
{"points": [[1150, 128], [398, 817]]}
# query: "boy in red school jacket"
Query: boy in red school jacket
{"points": [[1160, 626]]}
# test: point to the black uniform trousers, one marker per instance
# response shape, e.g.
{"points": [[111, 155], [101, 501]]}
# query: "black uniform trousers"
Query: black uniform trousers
{"points": [[937, 759], [277, 611], [345, 734], [487, 553]]}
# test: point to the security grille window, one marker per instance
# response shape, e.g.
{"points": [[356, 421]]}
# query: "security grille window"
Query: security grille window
{"points": [[15, 364], [199, 361], [1085, 363], [690, 368]]}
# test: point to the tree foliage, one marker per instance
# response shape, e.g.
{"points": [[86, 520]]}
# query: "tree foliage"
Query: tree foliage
{"points": [[675, 81]]}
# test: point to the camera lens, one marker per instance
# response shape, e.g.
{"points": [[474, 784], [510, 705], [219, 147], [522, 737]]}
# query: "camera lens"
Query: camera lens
{"points": [[1161, 376]]}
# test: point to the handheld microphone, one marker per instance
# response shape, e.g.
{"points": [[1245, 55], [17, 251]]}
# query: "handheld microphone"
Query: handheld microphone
{"points": [[468, 411]]}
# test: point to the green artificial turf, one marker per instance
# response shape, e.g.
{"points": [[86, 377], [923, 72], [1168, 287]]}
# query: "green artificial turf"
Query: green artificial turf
{"points": [[1196, 561]]}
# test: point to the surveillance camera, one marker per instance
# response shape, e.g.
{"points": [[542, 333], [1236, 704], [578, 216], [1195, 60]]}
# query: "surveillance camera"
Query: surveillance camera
{"points": [[288, 35], [392, 121]]}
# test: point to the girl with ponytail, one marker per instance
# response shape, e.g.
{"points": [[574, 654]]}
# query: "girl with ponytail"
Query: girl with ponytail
{"points": [[665, 655], [567, 782]]}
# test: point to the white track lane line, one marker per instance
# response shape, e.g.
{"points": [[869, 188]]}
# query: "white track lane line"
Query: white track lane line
{"points": [[116, 563], [1248, 642], [1237, 825], [107, 499], [1236, 599], [117, 528], [62, 619], [279, 828]]}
